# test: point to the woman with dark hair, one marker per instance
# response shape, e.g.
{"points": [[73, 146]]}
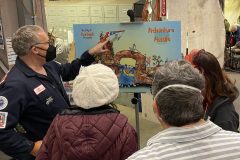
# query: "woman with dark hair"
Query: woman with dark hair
{"points": [[219, 92]]}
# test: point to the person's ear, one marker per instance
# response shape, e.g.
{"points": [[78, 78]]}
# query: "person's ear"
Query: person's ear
{"points": [[156, 109], [34, 50], [157, 112]]}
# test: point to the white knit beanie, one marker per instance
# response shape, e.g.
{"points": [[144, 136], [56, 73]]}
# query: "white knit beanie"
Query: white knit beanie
{"points": [[95, 86]]}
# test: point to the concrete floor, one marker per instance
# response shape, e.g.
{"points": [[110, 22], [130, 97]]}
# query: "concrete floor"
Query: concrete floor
{"points": [[149, 128]]}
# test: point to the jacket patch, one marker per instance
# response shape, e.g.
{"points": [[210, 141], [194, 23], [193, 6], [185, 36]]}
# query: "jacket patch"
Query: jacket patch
{"points": [[3, 102], [49, 100], [3, 119], [39, 89]]}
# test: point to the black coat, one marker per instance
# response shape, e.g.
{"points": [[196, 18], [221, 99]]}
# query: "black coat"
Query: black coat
{"points": [[222, 112]]}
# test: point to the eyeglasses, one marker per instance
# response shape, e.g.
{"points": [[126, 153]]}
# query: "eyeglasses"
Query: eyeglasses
{"points": [[40, 43]]}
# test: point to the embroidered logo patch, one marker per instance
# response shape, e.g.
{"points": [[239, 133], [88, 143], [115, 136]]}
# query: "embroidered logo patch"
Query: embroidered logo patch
{"points": [[3, 119], [49, 100], [3, 102], [39, 89]]}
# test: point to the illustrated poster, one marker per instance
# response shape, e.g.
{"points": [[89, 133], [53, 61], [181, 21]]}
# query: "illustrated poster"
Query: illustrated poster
{"points": [[136, 50]]}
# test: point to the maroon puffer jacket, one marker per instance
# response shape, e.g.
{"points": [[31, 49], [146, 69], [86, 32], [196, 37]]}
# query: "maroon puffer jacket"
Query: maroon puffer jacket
{"points": [[78, 134]]}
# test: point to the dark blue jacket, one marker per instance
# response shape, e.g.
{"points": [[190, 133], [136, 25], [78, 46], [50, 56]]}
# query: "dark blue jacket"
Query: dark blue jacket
{"points": [[33, 100]]}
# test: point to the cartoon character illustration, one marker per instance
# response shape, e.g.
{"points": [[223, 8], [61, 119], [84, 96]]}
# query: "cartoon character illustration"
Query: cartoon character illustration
{"points": [[131, 66], [115, 35], [126, 78], [103, 37], [111, 35]]}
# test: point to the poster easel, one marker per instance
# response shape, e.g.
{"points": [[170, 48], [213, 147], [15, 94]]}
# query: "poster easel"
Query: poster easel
{"points": [[136, 50]]}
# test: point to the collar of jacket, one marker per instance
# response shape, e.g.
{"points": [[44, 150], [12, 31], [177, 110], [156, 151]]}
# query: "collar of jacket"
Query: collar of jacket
{"points": [[75, 110], [215, 105], [182, 135], [24, 68]]}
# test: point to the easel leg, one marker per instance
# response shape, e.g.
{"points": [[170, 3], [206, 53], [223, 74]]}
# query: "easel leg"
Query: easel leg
{"points": [[136, 100]]}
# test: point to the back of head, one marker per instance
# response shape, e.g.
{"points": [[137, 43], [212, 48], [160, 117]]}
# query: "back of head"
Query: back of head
{"points": [[233, 28], [24, 38], [96, 85], [182, 104], [189, 57], [217, 82]]}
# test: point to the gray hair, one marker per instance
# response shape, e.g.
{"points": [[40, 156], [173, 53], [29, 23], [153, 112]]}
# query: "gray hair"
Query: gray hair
{"points": [[179, 105], [24, 38]]}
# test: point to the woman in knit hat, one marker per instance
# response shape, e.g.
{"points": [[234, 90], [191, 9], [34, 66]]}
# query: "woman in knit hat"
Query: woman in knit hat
{"points": [[219, 92], [92, 129]]}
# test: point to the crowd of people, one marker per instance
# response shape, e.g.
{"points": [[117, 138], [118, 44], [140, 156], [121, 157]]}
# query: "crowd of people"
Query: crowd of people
{"points": [[232, 33], [193, 101], [232, 46]]}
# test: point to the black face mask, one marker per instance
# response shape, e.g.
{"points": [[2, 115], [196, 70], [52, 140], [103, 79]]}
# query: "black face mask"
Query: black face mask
{"points": [[51, 53]]}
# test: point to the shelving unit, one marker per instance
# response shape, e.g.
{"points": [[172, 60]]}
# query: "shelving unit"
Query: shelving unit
{"points": [[61, 15]]}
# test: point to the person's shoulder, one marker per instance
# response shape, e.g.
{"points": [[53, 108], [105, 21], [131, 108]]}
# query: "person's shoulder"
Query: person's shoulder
{"points": [[53, 65], [225, 103], [12, 77], [222, 110], [221, 102], [121, 119], [141, 154], [230, 135]]}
